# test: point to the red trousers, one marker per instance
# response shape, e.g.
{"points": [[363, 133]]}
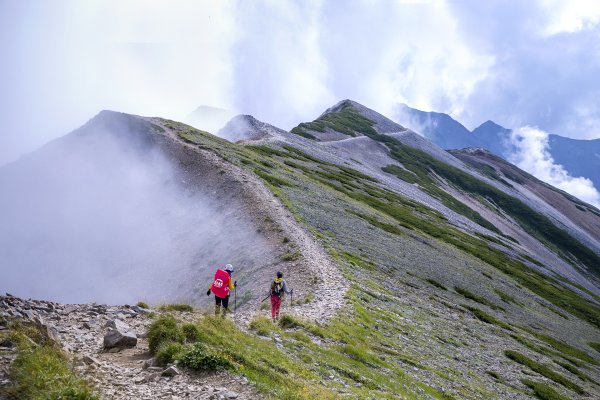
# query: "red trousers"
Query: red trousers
{"points": [[275, 306]]}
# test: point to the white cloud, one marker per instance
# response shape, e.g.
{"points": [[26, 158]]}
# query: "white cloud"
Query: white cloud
{"points": [[570, 16], [532, 155]]}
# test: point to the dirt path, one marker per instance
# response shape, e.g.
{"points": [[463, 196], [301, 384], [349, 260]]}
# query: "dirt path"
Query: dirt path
{"points": [[314, 273]]}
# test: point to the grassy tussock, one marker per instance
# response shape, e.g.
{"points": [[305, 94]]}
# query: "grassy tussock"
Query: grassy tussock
{"points": [[543, 370], [164, 331], [481, 300], [543, 391], [41, 370], [176, 307]]}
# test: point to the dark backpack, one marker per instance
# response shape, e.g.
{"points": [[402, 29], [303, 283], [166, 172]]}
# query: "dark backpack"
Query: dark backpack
{"points": [[277, 289]]}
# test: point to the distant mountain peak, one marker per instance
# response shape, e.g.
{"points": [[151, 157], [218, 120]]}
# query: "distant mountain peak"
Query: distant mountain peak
{"points": [[489, 125], [246, 127], [345, 119]]}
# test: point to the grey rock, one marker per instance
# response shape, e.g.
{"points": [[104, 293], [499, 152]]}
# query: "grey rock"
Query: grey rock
{"points": [[90, 360], [171, 371], [151, 362], [228, 394], [118, 325], [119, 339]]}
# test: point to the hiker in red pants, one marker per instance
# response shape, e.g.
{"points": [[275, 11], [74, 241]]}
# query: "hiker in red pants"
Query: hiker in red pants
{"points": [[278, 290]]}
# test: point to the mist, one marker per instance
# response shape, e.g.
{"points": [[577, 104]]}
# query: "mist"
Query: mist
{"points": [[105, 215], [530, 152]]}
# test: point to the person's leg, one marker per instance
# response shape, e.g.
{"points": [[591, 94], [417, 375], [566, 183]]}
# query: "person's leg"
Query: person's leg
{"points": [[273, 310], [225, 303], [217, 305], [277, 307]]}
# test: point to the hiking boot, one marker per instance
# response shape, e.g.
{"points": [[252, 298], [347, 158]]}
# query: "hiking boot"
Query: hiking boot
{"points": [[217, 310]]}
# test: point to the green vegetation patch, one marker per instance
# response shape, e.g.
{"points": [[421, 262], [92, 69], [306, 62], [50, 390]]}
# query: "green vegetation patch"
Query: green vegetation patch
{"points": [[436, 284], [505, 297], [536, 224], [479, 299], [574, 371], [163, 331], [169, 352], [543, 391], [595, 346], [543, 370], [564, 348], [41, 370], [487, 318], [272, 179], [347, 121], [176, 307], [432, 187]]}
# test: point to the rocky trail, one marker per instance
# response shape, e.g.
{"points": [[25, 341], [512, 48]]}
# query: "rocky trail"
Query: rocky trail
{"points": [[120, 371]]}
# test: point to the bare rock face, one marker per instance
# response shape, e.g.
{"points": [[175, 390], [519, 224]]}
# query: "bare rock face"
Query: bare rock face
{"points": [[119, 336]]}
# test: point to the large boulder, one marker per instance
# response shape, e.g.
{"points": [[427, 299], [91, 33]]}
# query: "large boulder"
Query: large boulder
{"points": [[119, 336]]}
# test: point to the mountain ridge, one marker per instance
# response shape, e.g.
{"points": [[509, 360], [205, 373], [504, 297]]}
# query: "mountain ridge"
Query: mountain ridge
{"points": [[415, 277]]}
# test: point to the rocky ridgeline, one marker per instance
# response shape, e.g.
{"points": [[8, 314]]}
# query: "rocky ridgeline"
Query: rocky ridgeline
{"points": [[108, 347]]}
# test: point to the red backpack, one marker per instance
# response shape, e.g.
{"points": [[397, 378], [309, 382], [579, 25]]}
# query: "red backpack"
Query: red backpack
{"points": [[220, 286]]}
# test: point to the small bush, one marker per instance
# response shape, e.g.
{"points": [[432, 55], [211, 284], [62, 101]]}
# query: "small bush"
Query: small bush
{"points": [[487, 318], [595, 346], [142, 304], [494, 375], [288, 321], [291, 256], [299, 336], [191, 332], [164, 330], [169, 352], [262, 326], [564, 348], [44, 373], [436, 283], [543, 391], [309, 298], [204, 359], [176, 307], [574, 371], [543, 370], [481, 300]]}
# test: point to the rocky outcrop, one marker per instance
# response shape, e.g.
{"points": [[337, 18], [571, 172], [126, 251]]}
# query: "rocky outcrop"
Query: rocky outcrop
{"points": [[130, 372], [119, 336]]}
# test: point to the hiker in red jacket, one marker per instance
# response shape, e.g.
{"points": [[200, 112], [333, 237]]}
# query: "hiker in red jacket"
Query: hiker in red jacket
{"points": [[221, 286], [278, 289]]}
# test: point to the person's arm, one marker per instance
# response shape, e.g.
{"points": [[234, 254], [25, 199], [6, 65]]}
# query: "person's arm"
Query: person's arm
{"points": [[231, 285], [209, 289], [285, 288]]}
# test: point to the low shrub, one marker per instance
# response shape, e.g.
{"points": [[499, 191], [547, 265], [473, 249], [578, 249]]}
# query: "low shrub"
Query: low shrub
{"points": [[436, 283], [169, 352], [142, 304], [481, 300], [543, 370], [487, 318], [543, 391], [262, 326], [288, 321], [201, 358], [164, 330], [191, 332], [595, 346], [43, 371], [176, 307]]}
